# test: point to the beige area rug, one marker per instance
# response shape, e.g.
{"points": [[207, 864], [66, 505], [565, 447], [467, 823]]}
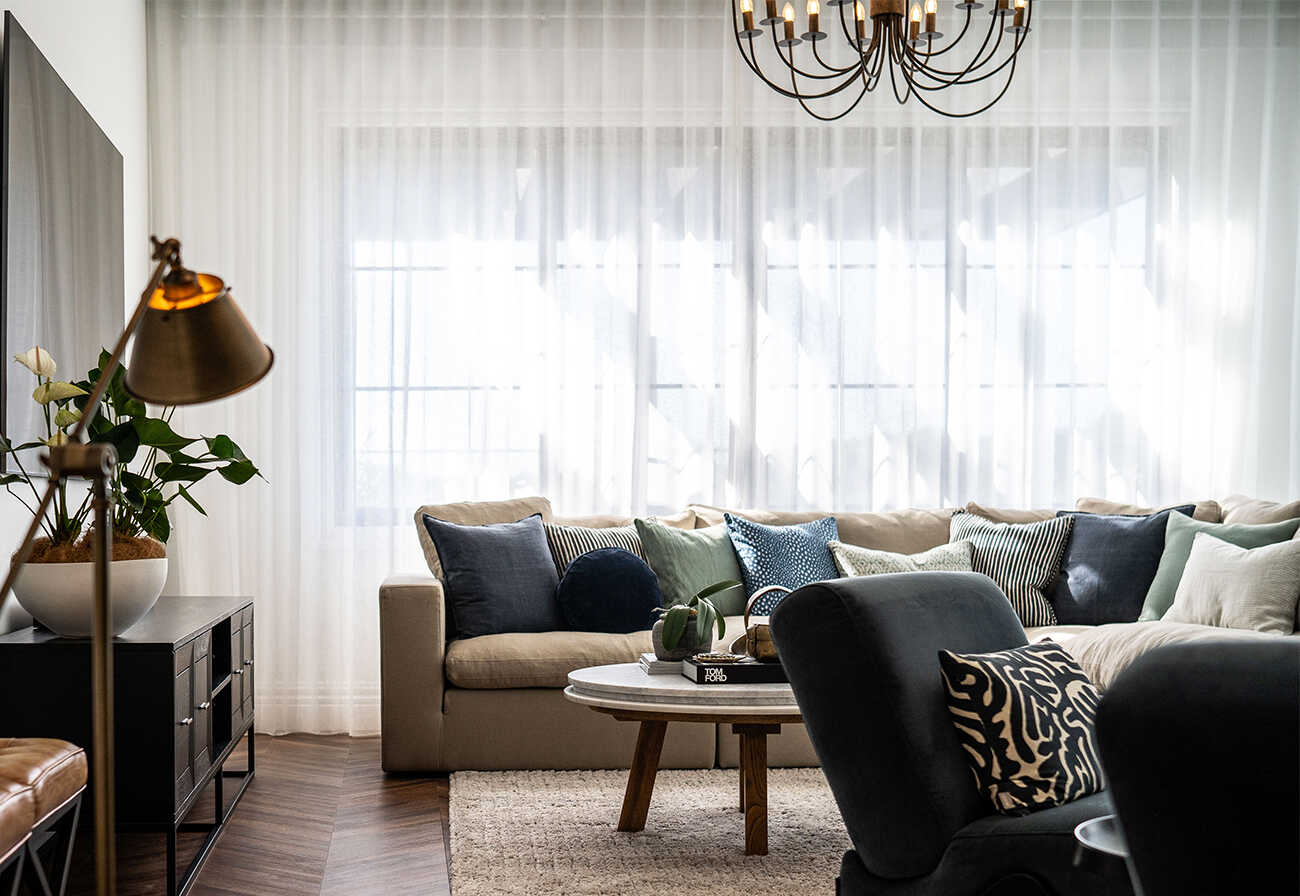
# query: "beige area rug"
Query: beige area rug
{"points": [[553, 832]]}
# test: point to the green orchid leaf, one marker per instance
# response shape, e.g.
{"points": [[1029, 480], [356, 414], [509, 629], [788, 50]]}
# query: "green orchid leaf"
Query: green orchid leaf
{"points": [[184, 493], [158, 434], [675, 625], [704, 622], [170, 472], [238, 472], [55, 391], [716, 587]]}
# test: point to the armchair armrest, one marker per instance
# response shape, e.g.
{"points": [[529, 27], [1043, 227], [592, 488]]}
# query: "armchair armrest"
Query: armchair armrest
{"points": [[412, 649]]}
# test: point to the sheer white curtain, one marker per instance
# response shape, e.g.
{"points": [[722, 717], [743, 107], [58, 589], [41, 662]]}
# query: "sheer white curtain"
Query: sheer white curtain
{"points": [[572, 247]]}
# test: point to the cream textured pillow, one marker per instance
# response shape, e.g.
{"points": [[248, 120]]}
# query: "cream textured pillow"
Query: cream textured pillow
{"points": [[852, 560], [1232, 587]]}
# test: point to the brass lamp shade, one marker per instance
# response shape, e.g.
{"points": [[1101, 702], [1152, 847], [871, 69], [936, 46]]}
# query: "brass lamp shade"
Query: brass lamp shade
{"points": [[194, 345]]}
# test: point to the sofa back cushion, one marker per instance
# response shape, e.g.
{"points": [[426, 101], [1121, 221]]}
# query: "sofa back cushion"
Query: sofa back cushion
{"points": [[1255, 511], [1109, 565], [498, 577], [474, 513], [907, 531], [1009, 514], [684, 519], [1179, 534], [1207, 511]]}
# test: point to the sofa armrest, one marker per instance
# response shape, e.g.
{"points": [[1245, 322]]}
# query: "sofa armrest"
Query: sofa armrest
{"points": [[412, 649]]}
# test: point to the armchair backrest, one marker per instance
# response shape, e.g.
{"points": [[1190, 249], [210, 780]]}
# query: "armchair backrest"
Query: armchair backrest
{"points": [[862, 657]]}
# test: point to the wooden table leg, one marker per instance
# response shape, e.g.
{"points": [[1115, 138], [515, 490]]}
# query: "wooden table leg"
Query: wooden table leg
{"points": [[641, 779], [753, 783]]}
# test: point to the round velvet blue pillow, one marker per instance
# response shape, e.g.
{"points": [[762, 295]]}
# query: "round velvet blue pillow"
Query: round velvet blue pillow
{"points": [[608, 590]]}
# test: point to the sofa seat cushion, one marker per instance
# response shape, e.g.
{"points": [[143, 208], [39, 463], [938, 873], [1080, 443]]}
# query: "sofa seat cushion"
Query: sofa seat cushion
{"points": [[55, 770], [17, 815], [537, 659]]}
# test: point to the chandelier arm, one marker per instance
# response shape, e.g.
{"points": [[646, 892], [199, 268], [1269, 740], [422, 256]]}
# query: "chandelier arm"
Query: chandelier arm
{"points": [[852, 106], [975, 64], [757, 70], [844, 26], [956, 40], [896, 33], [1020, 38], [826, 65], [1010, 77], [789, 63], [934, 70]]}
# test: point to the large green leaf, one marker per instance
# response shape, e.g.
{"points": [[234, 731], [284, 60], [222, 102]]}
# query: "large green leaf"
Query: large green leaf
{"points": [[170, 472], [124, 438], [158, 434], [675, 625], [704, 622], [238, 472], [225, 448], [184, 493], [159, 526], [134, 480]]}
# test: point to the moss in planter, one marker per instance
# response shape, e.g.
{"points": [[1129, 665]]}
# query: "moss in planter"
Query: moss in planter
{"points": [[125, 547]]}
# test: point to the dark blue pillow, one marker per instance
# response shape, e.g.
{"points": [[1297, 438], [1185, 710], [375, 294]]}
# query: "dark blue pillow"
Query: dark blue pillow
{"points": [[608, 590], [1108, 566], [498, 578]]}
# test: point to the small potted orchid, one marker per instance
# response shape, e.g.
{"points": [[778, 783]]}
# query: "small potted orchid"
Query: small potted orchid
{"points": [[155, 467]]}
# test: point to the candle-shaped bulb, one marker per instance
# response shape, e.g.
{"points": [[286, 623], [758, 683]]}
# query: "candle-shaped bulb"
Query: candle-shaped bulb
{"points": [[788, 13], [1020, 4], [858, 12], [746, 5], [916, 12], [813, 7], [931, 7]]}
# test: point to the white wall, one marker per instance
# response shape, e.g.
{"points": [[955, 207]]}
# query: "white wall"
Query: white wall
{"points": [[98, 47]]}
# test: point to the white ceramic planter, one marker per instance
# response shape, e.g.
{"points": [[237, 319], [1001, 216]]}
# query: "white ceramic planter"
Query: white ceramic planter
{"points": [[60, 595]]}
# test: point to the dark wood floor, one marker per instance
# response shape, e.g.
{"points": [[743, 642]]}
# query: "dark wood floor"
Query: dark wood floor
{"points": [[319, 818]]}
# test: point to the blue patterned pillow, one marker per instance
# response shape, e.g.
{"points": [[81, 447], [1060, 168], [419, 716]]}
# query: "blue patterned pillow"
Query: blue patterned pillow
{"points": [[789, 556]]}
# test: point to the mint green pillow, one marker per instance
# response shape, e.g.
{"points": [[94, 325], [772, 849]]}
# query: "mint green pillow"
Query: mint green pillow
{"points": [[1179, 532], [688, 560]]}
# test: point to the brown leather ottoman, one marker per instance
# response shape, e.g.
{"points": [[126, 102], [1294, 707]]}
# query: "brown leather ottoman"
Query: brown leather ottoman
{"points": [[41, 781], [54, 770], [17, 815]]}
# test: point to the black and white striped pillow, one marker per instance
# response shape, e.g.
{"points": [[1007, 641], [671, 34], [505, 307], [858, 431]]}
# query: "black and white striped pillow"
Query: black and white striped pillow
{"points": [[1025, 719], [568, 543], [1023, 558]]}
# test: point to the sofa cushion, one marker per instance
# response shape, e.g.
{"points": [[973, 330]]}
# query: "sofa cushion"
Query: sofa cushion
{"points": [[498, 577], [682, 520], [608, 590], [1207, 511], [1009, 514], [687, 562], [537, 659], [907, 531], [55, 770], [1231, 587], [852, 560], [1024, 559], [1108, 567], [1254, 511], [788, 556], [568, 543], [474, 513], [1179, 532]]}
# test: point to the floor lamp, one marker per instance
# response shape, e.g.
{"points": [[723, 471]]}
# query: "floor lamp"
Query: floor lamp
{"points": [[192, 344]]}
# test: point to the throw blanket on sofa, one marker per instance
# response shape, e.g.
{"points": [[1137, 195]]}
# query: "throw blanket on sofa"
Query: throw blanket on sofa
{"points": [[1104, 651]]}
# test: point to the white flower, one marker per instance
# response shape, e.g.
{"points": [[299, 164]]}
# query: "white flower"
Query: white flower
{"points": [[38, 361], [47, 392], [66, 417], [57, 439]]}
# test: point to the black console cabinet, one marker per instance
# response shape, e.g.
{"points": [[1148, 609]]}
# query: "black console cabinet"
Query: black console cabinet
{"points": [[183, 699]]}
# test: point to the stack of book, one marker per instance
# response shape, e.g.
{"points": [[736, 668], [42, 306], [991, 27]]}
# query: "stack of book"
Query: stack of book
{"points": [[651, 665]]}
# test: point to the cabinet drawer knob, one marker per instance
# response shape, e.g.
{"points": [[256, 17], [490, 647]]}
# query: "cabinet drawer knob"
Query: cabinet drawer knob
{"points": [[248, 662], [205, 705], [236, 671], [186, 721]]}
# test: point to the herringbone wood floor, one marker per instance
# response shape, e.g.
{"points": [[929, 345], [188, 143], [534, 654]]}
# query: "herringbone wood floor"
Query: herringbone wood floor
{"points": [[319, 818]]}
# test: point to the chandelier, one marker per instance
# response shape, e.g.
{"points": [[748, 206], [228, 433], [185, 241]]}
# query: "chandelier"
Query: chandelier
{"points": [[906, 45]]}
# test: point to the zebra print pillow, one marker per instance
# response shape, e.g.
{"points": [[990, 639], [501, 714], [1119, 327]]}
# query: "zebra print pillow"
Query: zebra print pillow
{"points": [[1023, 558], [568, 543], [1025, 719]]}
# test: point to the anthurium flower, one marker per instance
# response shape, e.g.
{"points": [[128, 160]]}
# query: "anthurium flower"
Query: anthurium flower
{"points": [[56, 391], [38, 361], [67, 416], [59, 438]]}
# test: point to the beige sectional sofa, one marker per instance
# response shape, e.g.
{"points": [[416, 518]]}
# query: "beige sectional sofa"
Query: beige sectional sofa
{"points": [[496, 701]]}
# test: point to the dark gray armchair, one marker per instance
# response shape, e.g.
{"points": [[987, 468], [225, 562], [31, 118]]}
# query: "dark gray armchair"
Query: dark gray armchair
{"points": [[862, 656], [1201, 746]]}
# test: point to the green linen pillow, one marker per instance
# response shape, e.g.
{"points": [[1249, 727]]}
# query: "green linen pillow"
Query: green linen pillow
{"points": [[687, 560], [1180, 531]]}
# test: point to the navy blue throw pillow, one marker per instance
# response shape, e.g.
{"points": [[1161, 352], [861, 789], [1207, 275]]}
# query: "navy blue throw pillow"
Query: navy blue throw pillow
{"points": [[498, 578], [789, 556], [1108, 567], [608, 590]]}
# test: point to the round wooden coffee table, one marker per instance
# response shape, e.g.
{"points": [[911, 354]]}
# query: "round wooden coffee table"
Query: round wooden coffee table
{"points": [[754, 711]]}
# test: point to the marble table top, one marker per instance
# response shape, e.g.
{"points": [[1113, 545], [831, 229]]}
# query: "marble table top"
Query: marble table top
{"points": [[627, 686]]}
